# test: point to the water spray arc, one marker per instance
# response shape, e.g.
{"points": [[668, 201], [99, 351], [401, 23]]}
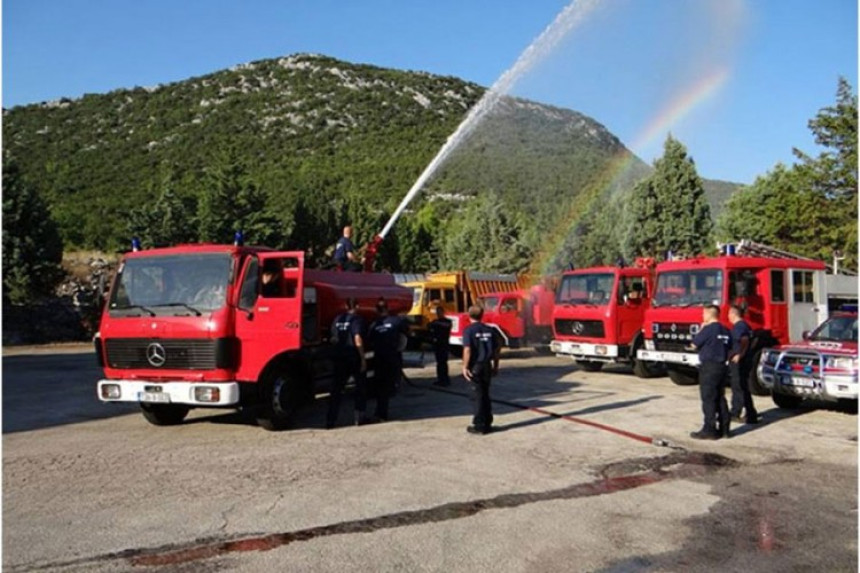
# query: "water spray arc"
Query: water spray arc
{"points": [[568, 19]]}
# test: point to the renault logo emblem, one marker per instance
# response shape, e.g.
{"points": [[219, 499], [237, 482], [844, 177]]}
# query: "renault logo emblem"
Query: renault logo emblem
{"points": [[156, 355]]}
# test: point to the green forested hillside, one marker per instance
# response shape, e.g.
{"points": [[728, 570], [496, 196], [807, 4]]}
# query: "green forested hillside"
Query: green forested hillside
{"points": [[322, 142]]}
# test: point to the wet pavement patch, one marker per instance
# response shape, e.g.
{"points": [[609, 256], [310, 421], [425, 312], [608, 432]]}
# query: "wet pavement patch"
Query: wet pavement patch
{"points": [[615, 477]]}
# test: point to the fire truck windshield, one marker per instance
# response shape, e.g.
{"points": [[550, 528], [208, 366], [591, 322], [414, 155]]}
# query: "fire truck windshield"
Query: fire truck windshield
{"points": [[171, 285], [689, 288], [490, 303], [587, 288], [836, 329]]}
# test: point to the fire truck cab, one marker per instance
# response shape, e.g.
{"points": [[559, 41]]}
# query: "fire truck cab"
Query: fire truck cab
{"points": [[781, 298], [598, 314], [226, 326]]}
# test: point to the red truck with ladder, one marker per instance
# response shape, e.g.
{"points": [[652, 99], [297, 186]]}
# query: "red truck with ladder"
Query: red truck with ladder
{"points": [[782, 295], [193, 326], [598, 316]]}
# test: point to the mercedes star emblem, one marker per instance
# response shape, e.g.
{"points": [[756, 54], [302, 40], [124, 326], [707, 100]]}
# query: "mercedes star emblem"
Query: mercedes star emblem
{"points": [[577, 327], [156, 355]]}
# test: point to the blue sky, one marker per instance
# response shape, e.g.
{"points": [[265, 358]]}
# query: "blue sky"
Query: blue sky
{"points": [[735, 80]]}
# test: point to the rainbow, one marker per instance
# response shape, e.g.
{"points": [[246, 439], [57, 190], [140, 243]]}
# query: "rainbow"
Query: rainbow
{"points": [[701, 91], [694, 96]]}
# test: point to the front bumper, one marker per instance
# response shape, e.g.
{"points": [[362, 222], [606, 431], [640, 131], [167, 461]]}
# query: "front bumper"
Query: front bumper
{"points": [[585, 350], [685, 358], [827, 388], [175, 392]]}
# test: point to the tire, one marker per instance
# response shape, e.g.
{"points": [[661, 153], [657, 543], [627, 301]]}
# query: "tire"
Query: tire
{"points": [[589, 366], [683, 376], [648, 369], [787, 401], [755, 386], [848, 406], [455, 351], [280, 398], [645, 368], [164, 414]]}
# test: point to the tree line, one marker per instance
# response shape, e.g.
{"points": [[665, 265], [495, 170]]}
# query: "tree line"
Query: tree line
{"points": [[464, 221]]}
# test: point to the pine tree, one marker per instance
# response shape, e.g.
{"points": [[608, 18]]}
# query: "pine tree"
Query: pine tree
{"points": [[232, 202], [668, 210], [32, 249], [167, 221]]}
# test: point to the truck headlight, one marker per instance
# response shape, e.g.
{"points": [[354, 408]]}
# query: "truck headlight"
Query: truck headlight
{"points": [[768, 358], [840, 363], [206, 394], [111, 392]]}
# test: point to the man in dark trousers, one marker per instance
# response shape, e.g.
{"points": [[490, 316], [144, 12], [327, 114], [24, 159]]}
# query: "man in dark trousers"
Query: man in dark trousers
{"points": [[481, 348], [740, 366], [386, 338], [713, 342], [344, 252], [440, 333], [347, 334]]}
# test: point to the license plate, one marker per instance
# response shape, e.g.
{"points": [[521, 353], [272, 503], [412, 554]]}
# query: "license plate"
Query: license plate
{"points": [[789, 381], [153, 397]]}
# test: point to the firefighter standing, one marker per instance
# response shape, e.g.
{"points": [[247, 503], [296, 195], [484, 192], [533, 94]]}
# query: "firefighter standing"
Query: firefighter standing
{"points": [[481, 348], [740, 366], [344, 252], [440, 332], [713, 342], [386, 337], [347, 333]]}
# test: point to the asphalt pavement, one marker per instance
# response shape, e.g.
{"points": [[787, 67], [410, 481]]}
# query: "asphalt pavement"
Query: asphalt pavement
{"points": [[571, 481]]}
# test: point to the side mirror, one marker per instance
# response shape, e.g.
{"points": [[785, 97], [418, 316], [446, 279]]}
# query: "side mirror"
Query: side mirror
{"points": [[806, 334]]}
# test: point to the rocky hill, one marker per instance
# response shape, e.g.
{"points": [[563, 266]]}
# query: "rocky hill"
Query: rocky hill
{"points": [[304, 128]]}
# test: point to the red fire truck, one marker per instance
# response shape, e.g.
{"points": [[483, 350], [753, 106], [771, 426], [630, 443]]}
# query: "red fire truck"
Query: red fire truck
{"points": [[524, 317], [194, 326], [782, 297], [598, 316]]}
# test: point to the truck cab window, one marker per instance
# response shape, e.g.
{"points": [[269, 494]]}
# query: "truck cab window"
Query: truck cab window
{"points": [[248, 294], [802, 283], [777, 286]]}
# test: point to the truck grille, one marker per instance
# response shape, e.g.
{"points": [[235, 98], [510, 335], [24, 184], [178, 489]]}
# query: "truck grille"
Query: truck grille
{"points": [[807, 363], [584, 328], [169, 354], [673, 336]]}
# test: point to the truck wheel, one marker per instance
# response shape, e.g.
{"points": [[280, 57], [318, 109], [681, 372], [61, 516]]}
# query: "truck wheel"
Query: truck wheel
{"points": [[455, 351], [280, 399], [787, 401], [648, 369], [589, 366], [683, 376], [164, 414], [756, 387]]}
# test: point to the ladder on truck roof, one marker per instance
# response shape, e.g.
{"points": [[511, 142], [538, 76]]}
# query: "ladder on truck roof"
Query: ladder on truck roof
{"points": [[752, 249]]}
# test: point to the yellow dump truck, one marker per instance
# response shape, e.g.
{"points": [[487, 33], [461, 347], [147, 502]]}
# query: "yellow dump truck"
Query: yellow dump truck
{"points": [[454, 291]]}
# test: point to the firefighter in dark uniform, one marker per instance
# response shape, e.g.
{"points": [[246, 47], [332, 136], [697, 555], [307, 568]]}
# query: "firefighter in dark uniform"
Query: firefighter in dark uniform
{"points": [[740, 365], [386, 337], [440, 333], [481, 348], [347, 334], [344, 252], [713, 342]]}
